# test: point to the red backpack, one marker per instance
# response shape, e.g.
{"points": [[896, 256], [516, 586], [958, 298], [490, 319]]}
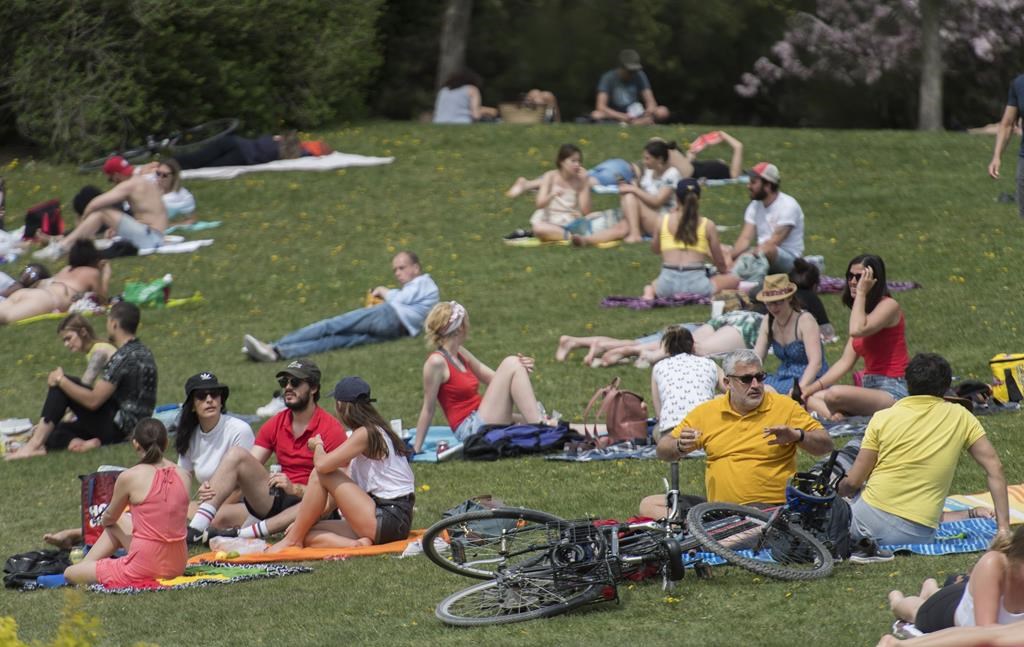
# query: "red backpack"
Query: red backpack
{"points": [[44, 217]]}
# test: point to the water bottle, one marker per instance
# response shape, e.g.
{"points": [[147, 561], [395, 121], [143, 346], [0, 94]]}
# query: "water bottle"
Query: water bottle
{"points": [[240, 545], [275, 469], [167, 287]]}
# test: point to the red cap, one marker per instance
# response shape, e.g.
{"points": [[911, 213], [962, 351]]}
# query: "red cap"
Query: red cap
{"points": [[117, 165]]}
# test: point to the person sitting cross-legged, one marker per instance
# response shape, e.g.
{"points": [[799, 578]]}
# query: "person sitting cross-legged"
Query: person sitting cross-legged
{"points": [[909, 454], [750, 436], [401, 313], [272, 499]]}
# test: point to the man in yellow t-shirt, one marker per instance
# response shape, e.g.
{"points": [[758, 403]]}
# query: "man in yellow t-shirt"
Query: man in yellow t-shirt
{"points": [[907, 459], [750, 438]]}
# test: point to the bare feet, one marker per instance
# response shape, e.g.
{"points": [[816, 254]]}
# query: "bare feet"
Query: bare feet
{"points": [[591, 355], [565, 346], [80, 446], [364, 541], [517, 188], [65, 539], [25, 451], [284, 544], [633, 239]]}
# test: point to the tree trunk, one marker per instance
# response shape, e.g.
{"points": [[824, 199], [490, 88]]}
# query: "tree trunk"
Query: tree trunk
{"points": [[929, 109], [454, 33]]}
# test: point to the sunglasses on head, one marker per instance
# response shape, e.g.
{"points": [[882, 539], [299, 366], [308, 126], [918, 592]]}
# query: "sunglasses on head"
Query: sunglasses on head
{"points": [[748, 379], [293, 382], [206, 393]]}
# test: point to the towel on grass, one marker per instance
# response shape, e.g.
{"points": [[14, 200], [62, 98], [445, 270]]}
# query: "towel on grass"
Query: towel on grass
{"points": [[186, 247], [199, 225], [312, 554], [967, 536], [54, 316], [203, 575], [436, 434], [322, 163], [984, 499], [622, 450]]}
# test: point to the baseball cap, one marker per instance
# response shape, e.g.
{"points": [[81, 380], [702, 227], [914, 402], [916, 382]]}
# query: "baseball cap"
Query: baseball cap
{"points": [[629, 59], [687, 185], [206, 381], [351, 389], [117, 165], [766, 171], [303, 369]]}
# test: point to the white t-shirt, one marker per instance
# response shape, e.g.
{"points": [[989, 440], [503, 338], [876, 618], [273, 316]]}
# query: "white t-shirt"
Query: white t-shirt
{"points": [[683, 382], [205, 450], [386, 478], [785, 210], [653, 185]]}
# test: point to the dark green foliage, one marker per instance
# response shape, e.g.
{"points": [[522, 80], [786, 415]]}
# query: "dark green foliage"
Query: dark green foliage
{"points": [[86, 77]]}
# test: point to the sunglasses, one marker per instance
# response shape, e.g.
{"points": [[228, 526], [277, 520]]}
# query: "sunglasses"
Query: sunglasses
{"points": [[748, 379], [851, 275], [203, 394], [293, 382], [159, 174]]}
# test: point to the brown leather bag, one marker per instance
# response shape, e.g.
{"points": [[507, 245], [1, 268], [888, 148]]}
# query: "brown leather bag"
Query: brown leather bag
{"points": [[624, 414]]}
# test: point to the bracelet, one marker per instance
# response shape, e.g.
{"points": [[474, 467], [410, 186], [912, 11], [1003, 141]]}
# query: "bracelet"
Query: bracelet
{"points": [[803, 435], [971, 514]]}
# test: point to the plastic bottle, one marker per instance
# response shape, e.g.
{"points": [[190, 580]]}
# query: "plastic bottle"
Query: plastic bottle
{"points": [[240, 545], [168, 279], [275, 469]]}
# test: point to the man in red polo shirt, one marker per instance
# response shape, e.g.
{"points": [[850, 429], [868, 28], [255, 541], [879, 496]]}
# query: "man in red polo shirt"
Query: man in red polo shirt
{"points": [[272, 498]]}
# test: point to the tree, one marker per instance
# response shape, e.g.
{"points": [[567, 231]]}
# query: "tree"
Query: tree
{"points": [[454, 34], [863, 42]]}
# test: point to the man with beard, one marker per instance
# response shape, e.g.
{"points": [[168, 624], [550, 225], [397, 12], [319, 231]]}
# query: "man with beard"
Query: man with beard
{"points": [[750, 436], [775, 217], [272, 498]]}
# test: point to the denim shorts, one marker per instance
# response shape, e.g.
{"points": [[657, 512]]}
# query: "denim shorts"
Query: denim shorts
{"points": [[783, 263], [885, 528], [138, 234], [608, 172], [394, 518], [673, 281], [894, 386], [469, 426]]}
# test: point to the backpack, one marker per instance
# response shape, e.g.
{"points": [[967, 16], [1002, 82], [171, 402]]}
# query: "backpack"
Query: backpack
{"points": [[1009, 373], [21, 570], [624, 413], [97, 491], [492, 442], [44, 217]]}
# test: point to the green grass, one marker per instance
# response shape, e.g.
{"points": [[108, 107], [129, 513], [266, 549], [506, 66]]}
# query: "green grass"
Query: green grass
{"points": [[298, 247]]}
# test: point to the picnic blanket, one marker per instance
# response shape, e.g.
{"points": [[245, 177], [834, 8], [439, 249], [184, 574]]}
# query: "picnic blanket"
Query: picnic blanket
{"points": [[967, 536], [968, 501], [618, 451], [436, 434], [199, 225], [203, 575], [184, 247], [322, 163], [530, 241], [311, 554], [54, 316]]}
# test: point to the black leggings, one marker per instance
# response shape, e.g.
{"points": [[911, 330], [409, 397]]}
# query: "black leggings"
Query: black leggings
{"points": [[222, 152], [89, 423]]}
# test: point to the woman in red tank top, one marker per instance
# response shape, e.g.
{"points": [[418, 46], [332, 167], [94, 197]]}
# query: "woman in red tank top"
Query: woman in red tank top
{"points": [[877, 333], [452, 377]]}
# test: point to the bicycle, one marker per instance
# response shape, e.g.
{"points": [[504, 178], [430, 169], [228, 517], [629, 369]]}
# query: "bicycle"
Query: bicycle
{"points": [[176, 143], [537, 565]]}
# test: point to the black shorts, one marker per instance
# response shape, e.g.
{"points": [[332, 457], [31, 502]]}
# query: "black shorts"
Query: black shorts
{"points": [[281, 503], [394, 518], [711, 170], [938, 611]]}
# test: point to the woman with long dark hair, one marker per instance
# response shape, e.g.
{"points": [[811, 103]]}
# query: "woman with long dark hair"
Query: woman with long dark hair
{"points": [[878, 334], [563, 197], [368, 477]]}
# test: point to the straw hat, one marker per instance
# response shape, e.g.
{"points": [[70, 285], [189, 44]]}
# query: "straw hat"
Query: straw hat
{"points": [[776, 288]]}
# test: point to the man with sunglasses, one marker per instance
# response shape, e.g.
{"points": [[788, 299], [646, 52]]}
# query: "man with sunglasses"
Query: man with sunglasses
{"points": [[750, 436], [144, 228], [271, 498]]}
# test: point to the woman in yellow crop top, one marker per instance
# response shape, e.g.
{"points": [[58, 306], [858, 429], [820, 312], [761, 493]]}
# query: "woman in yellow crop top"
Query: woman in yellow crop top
{"points": [[687, 242]]}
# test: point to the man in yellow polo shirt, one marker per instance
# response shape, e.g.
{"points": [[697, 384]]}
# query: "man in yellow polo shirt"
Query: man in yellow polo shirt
{"points": [[907, 460], [750, 437]]}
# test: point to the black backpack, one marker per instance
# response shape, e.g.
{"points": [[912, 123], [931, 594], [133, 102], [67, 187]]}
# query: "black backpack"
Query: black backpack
{"points": [[21, 570]]}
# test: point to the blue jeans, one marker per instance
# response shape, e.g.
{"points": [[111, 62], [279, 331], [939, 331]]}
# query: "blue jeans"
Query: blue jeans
{"points": [[364, 326]]}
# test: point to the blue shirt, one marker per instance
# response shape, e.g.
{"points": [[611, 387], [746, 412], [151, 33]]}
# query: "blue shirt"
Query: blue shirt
{"points": [[621, 94], [1016, 100], [413, 301]]}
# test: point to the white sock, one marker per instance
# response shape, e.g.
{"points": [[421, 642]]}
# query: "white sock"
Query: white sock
{"points": [[257, 530], [204, 515]]}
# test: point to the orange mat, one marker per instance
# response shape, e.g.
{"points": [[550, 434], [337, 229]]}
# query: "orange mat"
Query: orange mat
{"points": [[312, 554]]}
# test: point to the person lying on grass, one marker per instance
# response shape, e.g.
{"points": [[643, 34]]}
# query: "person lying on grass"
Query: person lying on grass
{"points": [[368, 478], [155, 536]]}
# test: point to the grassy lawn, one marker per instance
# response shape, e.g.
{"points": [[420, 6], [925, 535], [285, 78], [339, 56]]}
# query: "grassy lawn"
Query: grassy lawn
{"points": [[295, 248]]}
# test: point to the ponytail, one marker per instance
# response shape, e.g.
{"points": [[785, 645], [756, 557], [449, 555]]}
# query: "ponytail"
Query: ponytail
{"points": [[677, 340], [686, 230], [151, 436]]}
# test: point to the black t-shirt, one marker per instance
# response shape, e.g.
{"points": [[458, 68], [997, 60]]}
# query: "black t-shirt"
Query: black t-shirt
{"points": [[132, 371]]}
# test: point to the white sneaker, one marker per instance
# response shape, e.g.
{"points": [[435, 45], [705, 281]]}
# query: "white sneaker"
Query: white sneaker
{"points": [[52, 252], [258, 350], [272, 408]]}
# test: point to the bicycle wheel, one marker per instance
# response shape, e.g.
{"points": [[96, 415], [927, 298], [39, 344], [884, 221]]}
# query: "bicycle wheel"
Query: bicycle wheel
{"points": [[192, 139], [521, 596], [780, 549], [136, 154], [484, 542]]}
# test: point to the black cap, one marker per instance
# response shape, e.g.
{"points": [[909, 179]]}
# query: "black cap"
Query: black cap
{"points": [[352, 389], [303, 369], [205, 380], [685, 186]]}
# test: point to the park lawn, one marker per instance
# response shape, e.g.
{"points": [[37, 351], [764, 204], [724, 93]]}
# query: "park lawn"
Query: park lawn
{"points": [[298, 247]]}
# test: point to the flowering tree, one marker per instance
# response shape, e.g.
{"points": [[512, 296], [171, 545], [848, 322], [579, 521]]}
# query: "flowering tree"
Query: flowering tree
{"points": [[859, 42]]}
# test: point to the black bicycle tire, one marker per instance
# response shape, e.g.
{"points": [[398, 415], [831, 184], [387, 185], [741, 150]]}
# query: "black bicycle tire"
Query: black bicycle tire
{"points": [[435, 531], [135, 154], [550, 602], [823, 561], [220, 128], [675, 568]]}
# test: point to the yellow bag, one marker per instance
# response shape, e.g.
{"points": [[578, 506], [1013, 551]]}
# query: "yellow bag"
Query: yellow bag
{"points": [[1008, 370]]}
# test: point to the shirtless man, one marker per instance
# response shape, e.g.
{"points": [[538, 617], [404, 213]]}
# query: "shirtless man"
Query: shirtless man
{"points": [[144, 228]]}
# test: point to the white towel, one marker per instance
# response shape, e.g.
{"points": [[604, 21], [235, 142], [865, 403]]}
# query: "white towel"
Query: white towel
{"points": [[322, 163]]}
